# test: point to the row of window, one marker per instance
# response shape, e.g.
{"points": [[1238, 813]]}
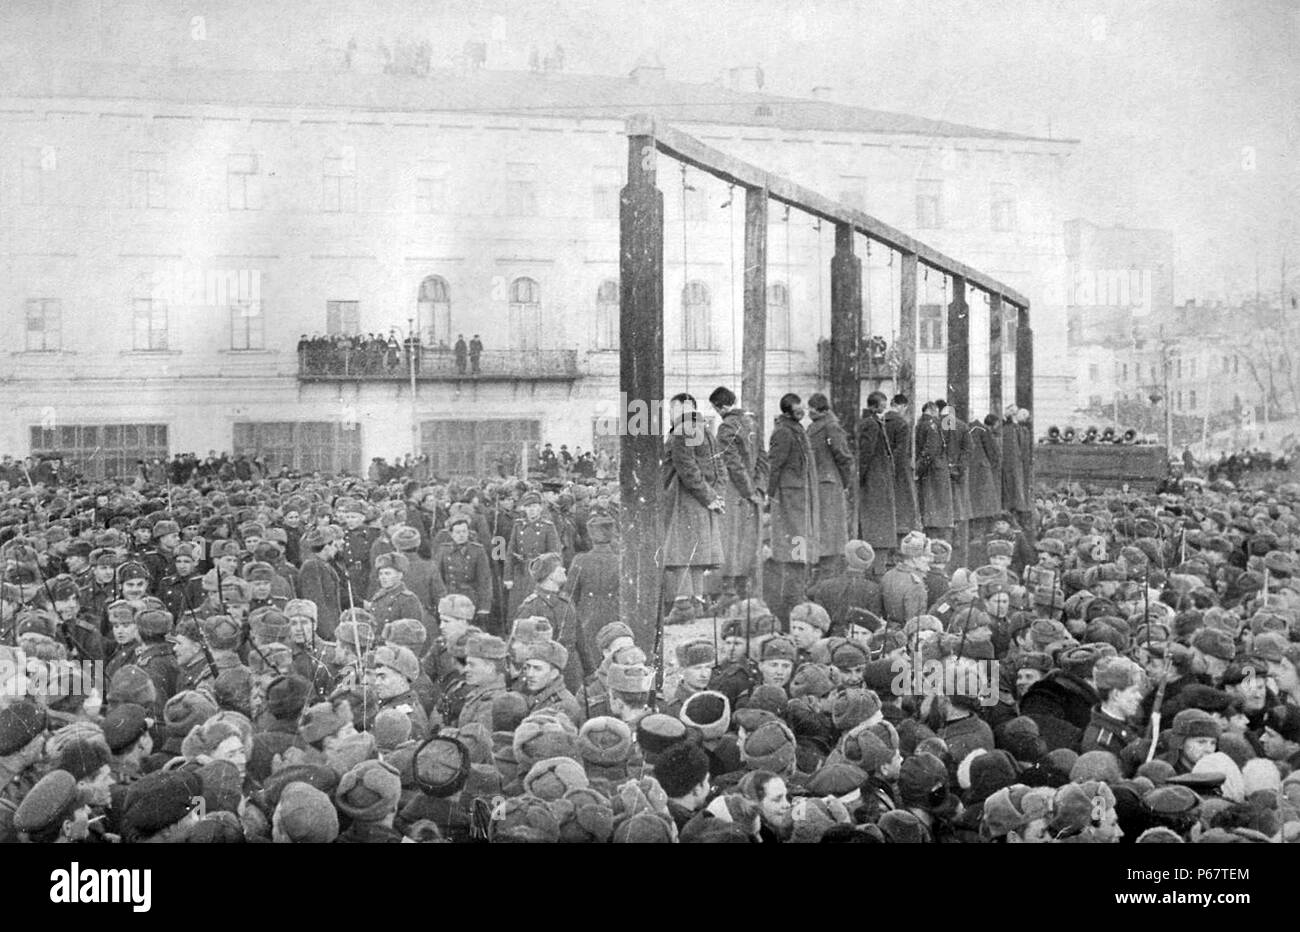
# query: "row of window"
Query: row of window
{"points": [[150, 318], [455, 448], [1230, 365], [148, 188]]}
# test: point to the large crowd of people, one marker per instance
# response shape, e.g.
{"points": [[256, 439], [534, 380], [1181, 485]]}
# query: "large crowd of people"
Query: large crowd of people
{"points": [[938, 651]]}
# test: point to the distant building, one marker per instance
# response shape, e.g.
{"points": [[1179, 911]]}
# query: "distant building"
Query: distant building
{"points": [[170, 235]]}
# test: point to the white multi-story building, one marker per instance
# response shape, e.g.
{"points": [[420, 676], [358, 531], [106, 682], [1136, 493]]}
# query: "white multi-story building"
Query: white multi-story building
{"points": [[168, 236]]}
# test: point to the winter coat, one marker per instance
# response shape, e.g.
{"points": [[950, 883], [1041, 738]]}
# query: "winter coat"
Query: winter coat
{"points": [[877, 502], [985, 472], [793, 489], [899, 434], [1013, 475], [933, 482], [742, 474], [957, 443], [692, 533], [836, 482]]}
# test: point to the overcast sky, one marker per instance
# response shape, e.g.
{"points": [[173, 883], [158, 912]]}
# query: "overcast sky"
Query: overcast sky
{"points": [[1166, 96]]}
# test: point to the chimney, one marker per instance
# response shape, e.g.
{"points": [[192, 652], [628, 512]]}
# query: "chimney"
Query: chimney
{"points": [[648, 70], [821, 92]]}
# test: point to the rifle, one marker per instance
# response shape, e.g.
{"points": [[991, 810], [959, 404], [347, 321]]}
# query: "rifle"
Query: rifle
{"points": [[203, 635], [1158, 702]]}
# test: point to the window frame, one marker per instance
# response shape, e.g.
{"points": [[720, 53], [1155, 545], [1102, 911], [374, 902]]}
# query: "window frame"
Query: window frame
{"points": [[43, 306]]}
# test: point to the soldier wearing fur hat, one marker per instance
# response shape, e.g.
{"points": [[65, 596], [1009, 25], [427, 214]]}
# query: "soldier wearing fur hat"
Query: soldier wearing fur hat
{"points": [[851, 599], [903, 590], [1120, 686], [530, 537], [354, 552], [392, 600], [695, 660], [318, 582], [548, 601], [485, 678], [78, 628], [395, 669], [748, 623], [461, 566], [543, 679], [181, 590], [192, 667]]}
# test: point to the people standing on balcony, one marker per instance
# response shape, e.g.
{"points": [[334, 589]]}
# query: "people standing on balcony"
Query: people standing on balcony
{"points": [[393, 356], [475, 354], [898, 430], [461, 351], [566, 461], [877, 490], [412, 345], [934, 483], [836, 481]]}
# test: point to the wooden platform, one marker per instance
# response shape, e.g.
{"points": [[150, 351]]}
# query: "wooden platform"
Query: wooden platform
{"points": [[1104, 464]]}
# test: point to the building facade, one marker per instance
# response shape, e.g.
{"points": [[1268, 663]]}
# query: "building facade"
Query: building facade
{"points": [[168, 238]]}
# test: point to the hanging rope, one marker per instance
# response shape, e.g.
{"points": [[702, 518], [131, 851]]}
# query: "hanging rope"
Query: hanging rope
{"points": [[789, 296], [687, 328], [821, 302], [731, 238]]}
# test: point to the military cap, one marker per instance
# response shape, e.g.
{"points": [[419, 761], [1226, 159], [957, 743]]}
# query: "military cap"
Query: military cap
{"points": [[531, 629], [128, 571], [258, 571], [530, 498], [187, 627], [158, 800], [486, 647], [319, 721], [849, 655], [552, 652], [456, 606], [52, 801], [696, 652], [441, 766], [154, 622], [756, 627], [459, 646], [1000, 548], [223, 548], [541, 568], [393, 560], [811, 614], [404, 538], [300, 608], [398, 659], [1196, 723], [406, 632], [630, 678], [355, 634], [1171, 800], [165, 527], [779, 647], [222, 631], [123, 724], [914, 545], [1215, 643], [189, 551]]}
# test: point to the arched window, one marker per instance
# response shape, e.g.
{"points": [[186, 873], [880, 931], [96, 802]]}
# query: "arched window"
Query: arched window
{"points": [[433, 312], [778, 316], [525, 314], [697, 317], [607, 315]]}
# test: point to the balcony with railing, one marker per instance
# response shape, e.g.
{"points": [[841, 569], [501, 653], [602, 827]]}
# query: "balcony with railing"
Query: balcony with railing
{"points": [[334, 364]]}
